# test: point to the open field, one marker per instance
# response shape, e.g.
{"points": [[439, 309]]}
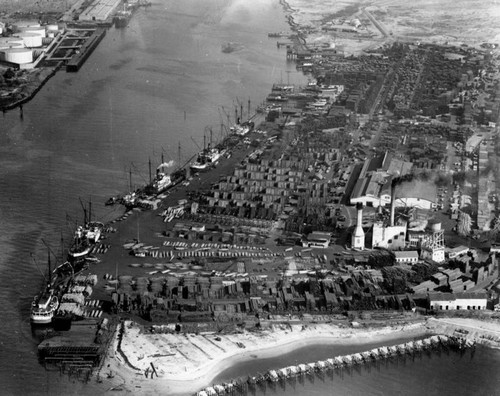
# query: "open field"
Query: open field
{"points": [[42, 6], [470, 22]]}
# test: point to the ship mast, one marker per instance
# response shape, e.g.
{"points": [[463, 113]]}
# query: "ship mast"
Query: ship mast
{"points": [[149, 162]]}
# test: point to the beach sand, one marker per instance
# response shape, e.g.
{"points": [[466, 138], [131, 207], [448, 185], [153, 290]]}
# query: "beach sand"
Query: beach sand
{"points": [[187, 363]]}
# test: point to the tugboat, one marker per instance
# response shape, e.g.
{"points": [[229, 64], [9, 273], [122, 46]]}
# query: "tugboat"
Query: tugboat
{"points": [[44, 305]]}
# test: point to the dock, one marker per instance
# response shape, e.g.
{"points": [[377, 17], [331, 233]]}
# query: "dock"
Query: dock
{"points": [[85, 50], [77, 352]]}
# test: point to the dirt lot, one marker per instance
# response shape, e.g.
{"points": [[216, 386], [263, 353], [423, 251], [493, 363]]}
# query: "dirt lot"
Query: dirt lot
{"points": [[35, 6], [459, 22]]}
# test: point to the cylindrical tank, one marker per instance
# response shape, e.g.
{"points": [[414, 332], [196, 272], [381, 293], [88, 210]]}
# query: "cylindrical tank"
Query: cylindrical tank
{"points": [[33, 29], [30, 39], [435, 226], [17, 55], [52, 28], [11, 42], [16, 27]]}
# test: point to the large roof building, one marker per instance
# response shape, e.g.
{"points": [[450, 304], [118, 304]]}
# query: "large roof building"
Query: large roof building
{"points": [[373, 187]]}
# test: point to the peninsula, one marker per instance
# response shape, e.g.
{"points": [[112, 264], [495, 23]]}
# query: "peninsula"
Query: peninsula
{"points": [[360, 208]]}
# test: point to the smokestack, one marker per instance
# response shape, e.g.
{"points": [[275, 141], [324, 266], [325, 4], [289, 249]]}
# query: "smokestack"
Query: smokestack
{"points": [[393, 203], [358, 237], [359, 207]]}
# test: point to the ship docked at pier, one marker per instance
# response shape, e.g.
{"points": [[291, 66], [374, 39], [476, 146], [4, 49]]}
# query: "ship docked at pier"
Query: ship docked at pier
{"points": [[46, 303], [44, 307], [84, 239], [206, 159]]}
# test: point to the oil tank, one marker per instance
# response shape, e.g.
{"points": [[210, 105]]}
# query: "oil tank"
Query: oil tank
{"points": [[40, 30], [18, 56], [435, 226], [11, 42], [19, 25], [52, 28], [31, 40]]}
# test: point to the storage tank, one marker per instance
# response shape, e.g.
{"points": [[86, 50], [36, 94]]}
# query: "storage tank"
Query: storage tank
{"points": [[24, 24], [435, 226], [33, 29], [52, 28], [30, 39], [18, 56], [11, 42]]}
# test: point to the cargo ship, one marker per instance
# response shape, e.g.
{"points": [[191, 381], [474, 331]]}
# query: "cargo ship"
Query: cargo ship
{"points": [[46, 303], [44, 307], [206, 159]]}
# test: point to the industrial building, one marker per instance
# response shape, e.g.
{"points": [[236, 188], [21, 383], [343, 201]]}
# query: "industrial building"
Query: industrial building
{"points": [[99, 10], [457, 301], [373, 187]]}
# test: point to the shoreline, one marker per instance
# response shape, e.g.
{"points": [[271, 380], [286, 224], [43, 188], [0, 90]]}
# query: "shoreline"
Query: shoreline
{"points": [[33, 87], [174, 380], [184, 370]]}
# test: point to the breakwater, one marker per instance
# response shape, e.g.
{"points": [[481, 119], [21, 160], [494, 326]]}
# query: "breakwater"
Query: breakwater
{"points": [[318, 368]]}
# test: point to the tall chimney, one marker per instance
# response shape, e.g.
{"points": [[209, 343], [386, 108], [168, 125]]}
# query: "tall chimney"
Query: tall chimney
{"points": [[358, 237], [393, 202], [359, 207]]}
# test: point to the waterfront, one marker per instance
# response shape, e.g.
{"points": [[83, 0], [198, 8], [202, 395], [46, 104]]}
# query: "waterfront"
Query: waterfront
{"points": [[436, 374], [81, 133]]}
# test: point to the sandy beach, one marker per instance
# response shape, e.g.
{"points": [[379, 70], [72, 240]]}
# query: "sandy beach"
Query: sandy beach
{"points": [[188, 363]]}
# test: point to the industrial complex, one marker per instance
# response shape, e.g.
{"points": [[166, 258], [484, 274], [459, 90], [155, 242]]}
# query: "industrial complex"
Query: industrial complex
{"points": [[367, 198]]}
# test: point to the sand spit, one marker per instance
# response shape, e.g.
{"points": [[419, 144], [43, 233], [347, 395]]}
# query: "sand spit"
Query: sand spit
{"points": [[186, 363]]}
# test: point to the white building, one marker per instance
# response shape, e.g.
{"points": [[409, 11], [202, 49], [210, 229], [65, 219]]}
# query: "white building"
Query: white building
{"points": [[388, 237], [458, 301], [406, 257], [317, 240]]}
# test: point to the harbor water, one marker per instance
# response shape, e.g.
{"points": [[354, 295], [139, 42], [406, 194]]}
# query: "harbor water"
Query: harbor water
{"points": [[160, 81]]}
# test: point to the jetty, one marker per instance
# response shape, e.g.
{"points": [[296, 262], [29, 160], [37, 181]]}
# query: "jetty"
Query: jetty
{"points": [[411, 348]]}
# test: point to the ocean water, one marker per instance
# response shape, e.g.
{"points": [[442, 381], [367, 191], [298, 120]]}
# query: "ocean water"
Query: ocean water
{"points": [[159, 82], [437, 373]]}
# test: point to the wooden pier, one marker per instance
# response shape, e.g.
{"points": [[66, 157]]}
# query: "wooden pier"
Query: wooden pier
{"points": [[310, 370], [76, 352]]}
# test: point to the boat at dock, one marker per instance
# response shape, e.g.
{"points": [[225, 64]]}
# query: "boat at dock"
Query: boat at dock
{"points": [[84, 239], [46, 303], [44, 307], [206, 159], [161, 182]]}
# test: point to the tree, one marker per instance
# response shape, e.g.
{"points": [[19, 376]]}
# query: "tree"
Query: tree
{"points": [[9, 73]]}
